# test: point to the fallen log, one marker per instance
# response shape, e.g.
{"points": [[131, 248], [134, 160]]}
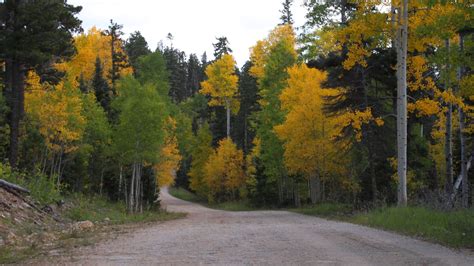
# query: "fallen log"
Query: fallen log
{"points": [[10, 186]]}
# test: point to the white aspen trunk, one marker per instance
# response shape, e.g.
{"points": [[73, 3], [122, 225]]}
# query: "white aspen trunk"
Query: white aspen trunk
{"points": [[315, 189], [59, 167], [132, 189], [51, 170], [448, 149], [227, 106], [120, 179], [402, 38], [137, 188], [462, 138]]}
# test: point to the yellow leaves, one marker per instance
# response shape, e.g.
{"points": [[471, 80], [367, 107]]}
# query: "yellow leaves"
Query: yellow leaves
{"points": [[424, 107], [258, 57], [170, 157], [221, 84], [306, 131], [224, 171], [89, 46], [417, 66], [327, 41], [356, 119], [356, 55], [281, 35], [365, 32], [58, 111]]}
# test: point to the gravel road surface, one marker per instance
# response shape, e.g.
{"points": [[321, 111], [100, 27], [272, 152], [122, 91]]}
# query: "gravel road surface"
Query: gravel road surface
{"points": [[216, 237]]}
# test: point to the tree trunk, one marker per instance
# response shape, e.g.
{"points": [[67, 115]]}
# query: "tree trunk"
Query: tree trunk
{"points": [[402, 39], [448, 149], [101, 180], [315, 189], [374, 182], [120, 178], [16, 106], [245, 135], [465, 184], [132, 189], [227, 107]]}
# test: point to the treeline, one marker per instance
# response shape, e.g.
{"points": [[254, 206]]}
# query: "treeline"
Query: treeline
{"points": [[311, 117], [322, 106]]}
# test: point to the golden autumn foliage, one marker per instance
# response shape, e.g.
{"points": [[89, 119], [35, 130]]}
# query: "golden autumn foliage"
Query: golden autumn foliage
{"points": [[224, 172], [221, 84], [307, 132], [58, 112], [170, 157], [91, 45], [356, 119], [281, 35], [200, 152]]}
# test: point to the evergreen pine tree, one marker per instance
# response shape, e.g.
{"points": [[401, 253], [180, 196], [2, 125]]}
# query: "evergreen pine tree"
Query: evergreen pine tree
{"points": [[243, 132], [119, 59], [47, 39], [135, 47], [286, 15], [221, 47], [101, 87]]}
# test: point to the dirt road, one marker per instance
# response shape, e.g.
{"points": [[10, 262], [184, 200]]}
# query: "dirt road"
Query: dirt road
{"points": [[261, 237]]}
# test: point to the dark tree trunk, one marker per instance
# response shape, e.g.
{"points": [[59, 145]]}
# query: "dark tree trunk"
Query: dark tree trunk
{"points": [[16, 103]]}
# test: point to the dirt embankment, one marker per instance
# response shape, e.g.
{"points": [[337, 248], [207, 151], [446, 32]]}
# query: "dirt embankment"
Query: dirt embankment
{"points": [[23, 222]]}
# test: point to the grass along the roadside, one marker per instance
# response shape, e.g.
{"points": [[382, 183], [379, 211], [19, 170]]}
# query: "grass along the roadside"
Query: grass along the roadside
{"points": [[97, 209], [450, 228], [327, 210], [186, 195]]}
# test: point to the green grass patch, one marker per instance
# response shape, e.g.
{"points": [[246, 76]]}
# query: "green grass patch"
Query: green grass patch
{"points": [[327, 210], [10, 255], [452, 228], [97, 209], [186, 195]]}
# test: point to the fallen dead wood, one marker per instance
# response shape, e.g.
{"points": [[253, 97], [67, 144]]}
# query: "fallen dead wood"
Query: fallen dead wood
{"points": [[10, 186]]}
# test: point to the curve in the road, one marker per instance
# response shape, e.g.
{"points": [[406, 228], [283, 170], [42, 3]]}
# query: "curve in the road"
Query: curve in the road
{"points": [[209, 236]]}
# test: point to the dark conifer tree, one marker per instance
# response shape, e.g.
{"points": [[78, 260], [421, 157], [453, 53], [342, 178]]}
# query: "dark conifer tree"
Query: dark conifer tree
{"points": [[101, 87], [83, 86], [243, 132], [135, 47], [119, 59], [194, 78], [286, 15], [31, 38], [177, 68], [221, 47]]}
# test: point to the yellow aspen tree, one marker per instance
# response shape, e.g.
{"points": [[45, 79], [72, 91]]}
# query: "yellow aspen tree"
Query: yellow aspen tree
{"points": [[58, 112], [90, 46], [169, 159], [306, 132], [221, 85], [224, 172]]}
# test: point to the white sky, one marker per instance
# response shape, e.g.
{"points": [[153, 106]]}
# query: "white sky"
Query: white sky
{"points": [[194, 23]]}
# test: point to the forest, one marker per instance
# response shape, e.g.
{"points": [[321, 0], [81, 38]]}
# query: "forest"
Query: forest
{"points": [[369, 103]]}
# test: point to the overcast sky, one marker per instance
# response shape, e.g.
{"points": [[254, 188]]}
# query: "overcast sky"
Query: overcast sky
{"points": [[194, 23]]}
